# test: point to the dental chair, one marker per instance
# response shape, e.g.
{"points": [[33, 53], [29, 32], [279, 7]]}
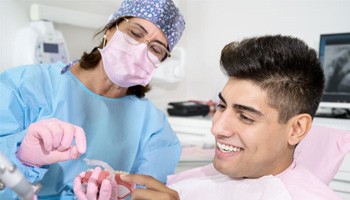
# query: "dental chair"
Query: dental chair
{"points": [[324, 152]]}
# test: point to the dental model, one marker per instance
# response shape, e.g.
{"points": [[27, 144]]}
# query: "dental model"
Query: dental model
{"points": [[124, 188]]}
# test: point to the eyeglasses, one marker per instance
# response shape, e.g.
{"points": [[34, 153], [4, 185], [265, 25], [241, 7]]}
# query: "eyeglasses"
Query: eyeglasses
{"points": [[135, 34]]}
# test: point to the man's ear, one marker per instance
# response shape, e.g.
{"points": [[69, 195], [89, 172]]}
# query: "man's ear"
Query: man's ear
{"points": [[301, 125]]}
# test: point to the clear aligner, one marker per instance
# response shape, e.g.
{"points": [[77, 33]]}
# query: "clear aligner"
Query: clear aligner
{"points": [[98, 163]]}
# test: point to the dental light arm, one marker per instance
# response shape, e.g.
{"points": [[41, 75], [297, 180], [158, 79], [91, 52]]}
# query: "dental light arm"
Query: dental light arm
{"points": [[11, 177]]}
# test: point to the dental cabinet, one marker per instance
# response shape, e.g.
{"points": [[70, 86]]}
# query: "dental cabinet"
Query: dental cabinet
{"points": [[198, 146]]}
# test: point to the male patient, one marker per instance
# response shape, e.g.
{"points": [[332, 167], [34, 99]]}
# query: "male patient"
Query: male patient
{"points": [[266, 108]]}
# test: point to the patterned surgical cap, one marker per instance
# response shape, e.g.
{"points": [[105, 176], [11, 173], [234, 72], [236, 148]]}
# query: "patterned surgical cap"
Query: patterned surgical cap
{"points": [[162, 13]]}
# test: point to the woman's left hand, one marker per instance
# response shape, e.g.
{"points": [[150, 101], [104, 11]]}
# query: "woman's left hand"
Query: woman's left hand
{"points": [[97, 184]]}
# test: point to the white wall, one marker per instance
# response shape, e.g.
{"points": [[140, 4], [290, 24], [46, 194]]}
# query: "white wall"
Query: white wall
{"points": [[210, 24], [213, 23], [14, 14]]}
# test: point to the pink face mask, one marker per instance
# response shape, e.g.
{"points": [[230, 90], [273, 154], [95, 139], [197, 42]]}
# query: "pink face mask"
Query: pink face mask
{"points": [[126, 64]]}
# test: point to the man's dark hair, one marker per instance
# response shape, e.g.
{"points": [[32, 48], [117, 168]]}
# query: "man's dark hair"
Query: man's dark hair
{"points": [[283, 66]]}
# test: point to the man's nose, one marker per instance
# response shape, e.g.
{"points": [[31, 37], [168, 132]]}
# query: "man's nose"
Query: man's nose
{"points": [[222, 125]]}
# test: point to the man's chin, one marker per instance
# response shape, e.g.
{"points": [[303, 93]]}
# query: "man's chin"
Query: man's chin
{"points": [[226, 169]]}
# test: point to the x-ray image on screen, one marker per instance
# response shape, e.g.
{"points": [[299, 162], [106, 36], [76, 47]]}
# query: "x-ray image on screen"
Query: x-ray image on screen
{"points": [[337, 68], [334, 55]]}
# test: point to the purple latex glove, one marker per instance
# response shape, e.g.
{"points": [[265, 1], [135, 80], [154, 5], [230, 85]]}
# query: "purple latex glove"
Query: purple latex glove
{"points": [[98, 187], [50, 141]]}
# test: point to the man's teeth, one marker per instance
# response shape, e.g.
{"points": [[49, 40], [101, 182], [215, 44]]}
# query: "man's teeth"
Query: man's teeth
{"points": [[227, 148]]}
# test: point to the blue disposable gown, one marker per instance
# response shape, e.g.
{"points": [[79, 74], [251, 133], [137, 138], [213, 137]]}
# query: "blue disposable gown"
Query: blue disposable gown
{"points": [[128, 133]]}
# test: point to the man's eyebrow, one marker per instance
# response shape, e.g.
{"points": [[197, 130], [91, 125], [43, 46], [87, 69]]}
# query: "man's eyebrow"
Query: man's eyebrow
{"points": [[248, 109], [242, 107], [222, 98]]}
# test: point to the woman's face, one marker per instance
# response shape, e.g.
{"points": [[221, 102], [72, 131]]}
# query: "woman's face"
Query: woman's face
{"points": [[153, 32]]}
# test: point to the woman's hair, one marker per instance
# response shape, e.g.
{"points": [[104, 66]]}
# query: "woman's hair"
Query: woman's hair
{"points": [[285, 67], [90, 60]]}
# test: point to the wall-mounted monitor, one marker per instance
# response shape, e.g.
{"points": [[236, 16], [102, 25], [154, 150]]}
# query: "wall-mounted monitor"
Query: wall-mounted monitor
{"points": [[334, 54]]}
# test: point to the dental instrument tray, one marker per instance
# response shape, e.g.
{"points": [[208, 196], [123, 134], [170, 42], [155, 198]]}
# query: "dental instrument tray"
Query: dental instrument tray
{"points": [[187, 108]]}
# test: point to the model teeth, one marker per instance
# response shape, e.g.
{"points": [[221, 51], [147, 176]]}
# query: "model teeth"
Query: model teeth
{"points": [[227, 148], [121, 172]]}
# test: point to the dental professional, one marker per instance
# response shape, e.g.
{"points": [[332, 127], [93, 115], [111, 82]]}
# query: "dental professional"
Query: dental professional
{"points": [[275, 84], [53, 116]]}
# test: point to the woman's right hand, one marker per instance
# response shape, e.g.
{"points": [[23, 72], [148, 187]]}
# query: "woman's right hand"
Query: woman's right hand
{"points": [[50, 141]]}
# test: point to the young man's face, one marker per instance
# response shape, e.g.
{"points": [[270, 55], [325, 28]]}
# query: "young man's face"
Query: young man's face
{"points": [[250, 141]]}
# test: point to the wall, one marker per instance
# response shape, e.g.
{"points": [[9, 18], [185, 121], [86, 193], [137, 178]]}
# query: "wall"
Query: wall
{"points": [[213, 23], [210, 24], [14, 14]]}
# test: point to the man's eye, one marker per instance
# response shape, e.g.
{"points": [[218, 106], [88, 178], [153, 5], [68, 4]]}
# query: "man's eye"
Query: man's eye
{"points": [[220, 107], [246, 119]]}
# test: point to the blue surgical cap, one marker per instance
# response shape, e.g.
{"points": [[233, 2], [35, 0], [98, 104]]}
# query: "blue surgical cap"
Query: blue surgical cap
{"points": [[162, 13]]}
